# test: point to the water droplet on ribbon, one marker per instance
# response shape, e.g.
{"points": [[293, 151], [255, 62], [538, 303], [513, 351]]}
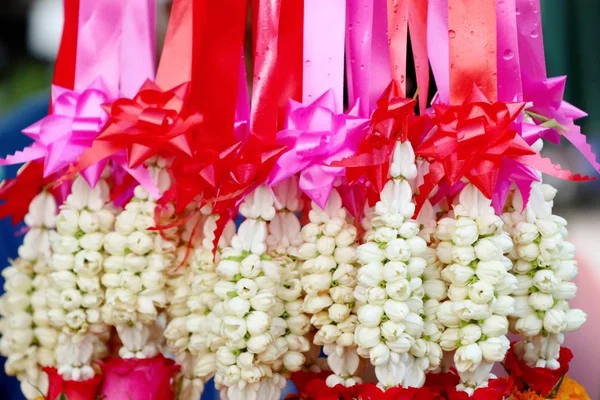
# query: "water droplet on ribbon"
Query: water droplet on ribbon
{"points": [[508, 55], [517, 11], [401, 78], [451, 34], [307, 62], [362, 66], [472, 33], [534, 33]]}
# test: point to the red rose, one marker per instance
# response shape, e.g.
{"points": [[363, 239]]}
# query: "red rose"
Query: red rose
{"points": [[497, 389], [138, 379], [439, 383], [302, 378], [73, 390], [540, 380]]}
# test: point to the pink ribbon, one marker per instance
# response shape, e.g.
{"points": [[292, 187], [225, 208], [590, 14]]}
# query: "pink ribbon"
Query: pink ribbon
{"points": [[323, 49], [509, 66], [359, 31], [367, 55], [138, 45], [316, 137], [437, 47], [112, 56], [545, 93], [99, 44]]}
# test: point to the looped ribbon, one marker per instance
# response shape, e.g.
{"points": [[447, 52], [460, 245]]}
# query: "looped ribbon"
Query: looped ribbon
{"points": [[476, 141], [90, 68], [316, 137], [62, 136], [152, 122], [389, 123], [553, 116]]}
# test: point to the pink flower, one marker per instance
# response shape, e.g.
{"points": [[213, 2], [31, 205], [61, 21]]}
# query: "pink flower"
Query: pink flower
{"points": [[72, 390], [138, 379]]}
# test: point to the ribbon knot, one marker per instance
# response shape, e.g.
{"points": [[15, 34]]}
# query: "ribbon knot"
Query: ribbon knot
{"points": [[152, 122], [316, 137], [61, 137]]}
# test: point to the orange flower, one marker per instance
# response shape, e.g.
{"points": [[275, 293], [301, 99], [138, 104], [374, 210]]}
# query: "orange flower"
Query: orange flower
{"points": [[569, 390]]}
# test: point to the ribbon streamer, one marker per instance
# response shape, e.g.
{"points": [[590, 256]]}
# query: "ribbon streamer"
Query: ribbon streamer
{"points": [[472, 48], [397, 11], [64, 69], [323, 48], [437, 47], [99, 44], [359, 36], [508, 57], [290, 59], [417, 24], [218, 32], [263, 115], [138, 45]]}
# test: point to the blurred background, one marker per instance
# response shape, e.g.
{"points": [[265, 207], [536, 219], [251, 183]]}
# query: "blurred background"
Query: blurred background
{"points": [[30, 34]]}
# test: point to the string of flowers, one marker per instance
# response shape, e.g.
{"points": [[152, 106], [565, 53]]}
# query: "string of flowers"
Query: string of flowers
{"points": [[28, 341], [472, 246], [78, 252], [284, 238], [191, 332], [135, 270], [544, 265], [248, 284], [390, 285], [328, 276]]}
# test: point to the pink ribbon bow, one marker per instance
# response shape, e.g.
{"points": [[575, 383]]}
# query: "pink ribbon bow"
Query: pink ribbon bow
{"points": [[61, 137], [315, 137]]}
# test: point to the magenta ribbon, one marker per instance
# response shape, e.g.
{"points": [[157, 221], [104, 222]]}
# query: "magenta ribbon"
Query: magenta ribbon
{"points": [[509, 65], [438, 48], [546, 94], [316, 131], [323, 49], [113, 58], [316, 137], [367, 55]]}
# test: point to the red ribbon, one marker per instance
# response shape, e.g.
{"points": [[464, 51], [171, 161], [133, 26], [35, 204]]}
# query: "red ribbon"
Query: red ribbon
{"points": [[17, 193], [64, 70], [472, 38], [218, 32], [397, 11], [471, 142], [265, 22], [151, 123], [417, 23], [389, 123], [540, 380], [175, 65]]}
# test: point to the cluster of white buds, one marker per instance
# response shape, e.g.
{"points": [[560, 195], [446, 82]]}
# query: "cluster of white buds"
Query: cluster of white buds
{"points": [[390, 285], [77, 244], [248, 283], [434, 286], [192, 332], [283, 240], [136, 267], [544, 265], [328, 277], [28, 341], [472, 246]]}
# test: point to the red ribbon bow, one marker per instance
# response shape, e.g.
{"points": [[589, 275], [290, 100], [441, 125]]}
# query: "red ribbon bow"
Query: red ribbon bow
{"points": [[153, 122], [389, 123], [472, 141]]}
